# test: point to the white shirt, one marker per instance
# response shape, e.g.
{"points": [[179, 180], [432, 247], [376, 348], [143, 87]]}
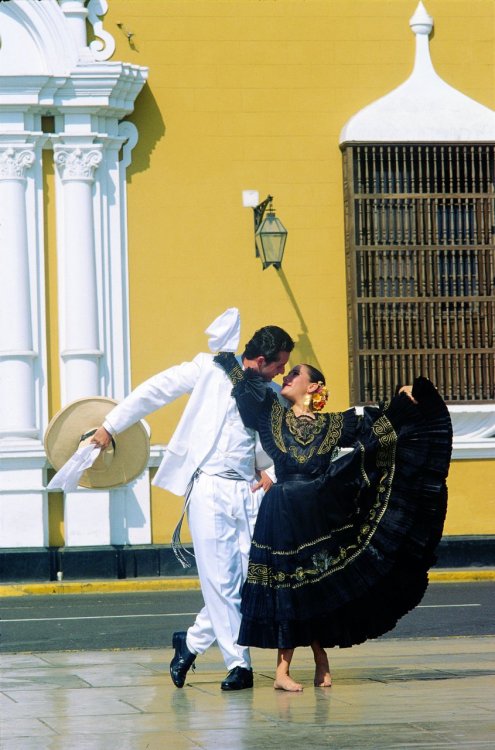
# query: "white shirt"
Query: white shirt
{"points": [[234, 449]]}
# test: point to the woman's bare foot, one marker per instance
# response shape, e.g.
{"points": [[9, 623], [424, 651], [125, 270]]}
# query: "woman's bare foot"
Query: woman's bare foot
{"points": [[285, 682], [323, 678]]}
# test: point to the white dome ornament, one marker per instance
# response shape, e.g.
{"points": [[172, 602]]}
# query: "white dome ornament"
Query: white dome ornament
{"points": [[424, 108]]}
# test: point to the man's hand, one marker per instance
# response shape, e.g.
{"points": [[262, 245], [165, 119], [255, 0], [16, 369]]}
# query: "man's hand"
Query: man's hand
{"points": [[265, 482], [101, 438], [407, 389]]}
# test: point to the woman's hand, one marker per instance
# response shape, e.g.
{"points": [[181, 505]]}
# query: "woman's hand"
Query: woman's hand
{"points": [[407, 389], [265, 482]]}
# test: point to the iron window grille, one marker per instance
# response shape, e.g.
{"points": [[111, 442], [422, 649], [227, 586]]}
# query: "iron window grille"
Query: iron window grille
{"points": [[420, 256]]}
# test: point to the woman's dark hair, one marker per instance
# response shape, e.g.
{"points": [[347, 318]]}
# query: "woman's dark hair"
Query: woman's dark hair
{"points": [[268, 342], [315, 376]]}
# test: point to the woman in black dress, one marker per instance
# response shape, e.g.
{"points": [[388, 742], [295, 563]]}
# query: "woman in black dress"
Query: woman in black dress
{"points": [[342, 546]]}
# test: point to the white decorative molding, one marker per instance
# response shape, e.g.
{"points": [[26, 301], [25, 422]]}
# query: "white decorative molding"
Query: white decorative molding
{"points": [[41, 31], [117, 334], [14, 162], [104, 46], [77, 163], [58, 75], [76, 14], [424, 108], [472, 450], [473, 421], [129, 132], [474, 431]]}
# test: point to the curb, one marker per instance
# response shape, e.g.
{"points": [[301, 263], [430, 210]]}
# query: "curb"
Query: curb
{"points": [[99, 587], [461, 574], [190, 584]]}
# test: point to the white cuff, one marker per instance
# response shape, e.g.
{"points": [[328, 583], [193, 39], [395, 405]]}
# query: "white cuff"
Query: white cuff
{"points": [[108, 427]]}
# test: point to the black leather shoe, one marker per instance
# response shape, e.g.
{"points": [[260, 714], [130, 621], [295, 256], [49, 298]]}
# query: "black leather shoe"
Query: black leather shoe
{"points": [[238, 678], [182, 661]]}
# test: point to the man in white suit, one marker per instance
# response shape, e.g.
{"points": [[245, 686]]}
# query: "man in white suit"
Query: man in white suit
{"points": [[218, 465]]}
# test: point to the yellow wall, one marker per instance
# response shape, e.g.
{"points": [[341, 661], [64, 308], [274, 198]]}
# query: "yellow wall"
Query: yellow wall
{"points": [[55, 499], [51, 286], [471, 505], [252, 94]]}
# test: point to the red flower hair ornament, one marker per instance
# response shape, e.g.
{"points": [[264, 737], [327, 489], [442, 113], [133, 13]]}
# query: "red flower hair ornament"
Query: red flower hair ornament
{"points": [[320, 397]]}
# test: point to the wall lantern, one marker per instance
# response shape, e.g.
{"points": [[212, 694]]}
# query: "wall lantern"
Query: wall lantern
{"points": [[270, 234]]}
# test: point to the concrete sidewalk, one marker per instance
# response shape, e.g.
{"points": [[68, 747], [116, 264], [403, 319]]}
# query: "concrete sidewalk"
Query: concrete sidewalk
{"points": [[387, 695]]}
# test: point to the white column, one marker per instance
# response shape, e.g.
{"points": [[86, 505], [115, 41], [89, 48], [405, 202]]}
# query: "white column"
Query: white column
{"points": [[123, 515], [17, 399], [23, 499], [78, 309], [85, 512]]}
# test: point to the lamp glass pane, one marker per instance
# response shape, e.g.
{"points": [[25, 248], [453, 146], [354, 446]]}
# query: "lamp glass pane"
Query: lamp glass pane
{"points": [[270, 240]]}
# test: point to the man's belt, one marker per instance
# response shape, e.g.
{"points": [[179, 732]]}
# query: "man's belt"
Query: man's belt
{"points": [[178, 548]]}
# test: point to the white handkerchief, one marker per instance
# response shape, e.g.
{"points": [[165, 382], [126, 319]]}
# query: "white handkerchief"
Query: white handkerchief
{"points": [[225, 331], [67, 478]]}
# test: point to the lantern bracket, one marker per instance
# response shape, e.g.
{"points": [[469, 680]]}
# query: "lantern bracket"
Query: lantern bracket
{"points": [[259, 212]]}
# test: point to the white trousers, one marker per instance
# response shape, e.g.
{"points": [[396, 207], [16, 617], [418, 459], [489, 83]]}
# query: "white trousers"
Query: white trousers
{"points": [[221, 516]]}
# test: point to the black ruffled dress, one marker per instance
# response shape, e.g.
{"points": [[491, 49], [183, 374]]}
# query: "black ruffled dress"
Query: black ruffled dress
{"points": [[342, 545]]}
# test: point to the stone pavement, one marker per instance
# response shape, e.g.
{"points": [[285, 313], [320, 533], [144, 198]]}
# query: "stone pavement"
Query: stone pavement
{"points": [[387, 695]]}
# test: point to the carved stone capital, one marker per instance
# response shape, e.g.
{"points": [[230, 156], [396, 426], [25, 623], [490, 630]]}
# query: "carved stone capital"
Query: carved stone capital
{"points": [[14, 162], [77, 163]]}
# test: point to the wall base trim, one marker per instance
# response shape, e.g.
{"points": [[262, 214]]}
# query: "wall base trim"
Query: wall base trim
{"points": [[158, 561]]}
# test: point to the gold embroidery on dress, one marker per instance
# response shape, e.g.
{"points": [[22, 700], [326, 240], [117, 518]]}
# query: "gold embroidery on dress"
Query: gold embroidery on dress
{"points": [[276, 422], [304, 429], [335, 425], [299, 456], [234, 372], [387, 440], [254, 543], [324, 563]]}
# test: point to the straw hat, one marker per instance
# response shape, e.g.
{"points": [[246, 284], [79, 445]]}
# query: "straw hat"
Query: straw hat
{"points": [[118, 465]]}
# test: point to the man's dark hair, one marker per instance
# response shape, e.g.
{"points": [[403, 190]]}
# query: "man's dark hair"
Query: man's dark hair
{"points": [[268, 342]]}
